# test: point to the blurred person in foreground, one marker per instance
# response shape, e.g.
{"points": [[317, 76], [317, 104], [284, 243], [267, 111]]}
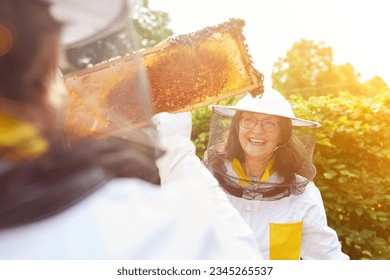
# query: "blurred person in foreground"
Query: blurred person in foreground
{"points": [[261, 155], [98, 198]]}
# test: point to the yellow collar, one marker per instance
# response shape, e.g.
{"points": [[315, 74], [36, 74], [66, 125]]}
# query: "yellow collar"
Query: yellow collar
{"points": [[244, 179], [20, 140]]}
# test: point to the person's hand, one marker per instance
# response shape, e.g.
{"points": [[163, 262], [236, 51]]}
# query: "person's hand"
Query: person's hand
{"points": [[175, 133], [170, 124]]}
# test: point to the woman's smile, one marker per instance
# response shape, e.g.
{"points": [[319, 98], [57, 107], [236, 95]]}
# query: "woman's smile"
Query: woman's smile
{"points": [[256, 142]]}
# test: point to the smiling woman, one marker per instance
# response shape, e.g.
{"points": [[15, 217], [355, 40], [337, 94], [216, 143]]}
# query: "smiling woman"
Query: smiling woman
{"points": [[261, 132], [260, 154]]}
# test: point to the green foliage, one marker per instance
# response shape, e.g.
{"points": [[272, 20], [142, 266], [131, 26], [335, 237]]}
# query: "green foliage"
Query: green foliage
{"points": [[353, 168], [151, 26], [353, 151], [200, 129], [300, 68], [308, 69]]}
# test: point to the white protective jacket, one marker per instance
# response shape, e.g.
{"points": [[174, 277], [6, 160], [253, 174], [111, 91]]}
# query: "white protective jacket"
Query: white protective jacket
{"points": [[189, 217], [292, 227]]}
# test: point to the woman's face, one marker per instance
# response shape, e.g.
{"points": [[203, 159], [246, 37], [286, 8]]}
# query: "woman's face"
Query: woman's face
{"points": [[258, 134]]}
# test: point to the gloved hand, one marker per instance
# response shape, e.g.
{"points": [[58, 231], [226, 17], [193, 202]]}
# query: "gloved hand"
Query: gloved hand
{"points": [[179, 159], [171, 124]]}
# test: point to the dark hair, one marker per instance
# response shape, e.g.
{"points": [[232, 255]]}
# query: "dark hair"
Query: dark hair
{"points": [[290, 156], [27, 69]]}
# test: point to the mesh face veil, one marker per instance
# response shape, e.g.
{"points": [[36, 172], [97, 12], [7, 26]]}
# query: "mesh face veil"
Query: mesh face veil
{"points": [[90, 111], [289, 166]]}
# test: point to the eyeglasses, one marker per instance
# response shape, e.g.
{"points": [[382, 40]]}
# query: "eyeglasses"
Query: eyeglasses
{"points": [[269, 125]]}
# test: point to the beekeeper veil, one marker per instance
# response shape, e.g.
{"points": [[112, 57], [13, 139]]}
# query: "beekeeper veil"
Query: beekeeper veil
{"points": [[111, 98], [41, 175], [289, 166]]}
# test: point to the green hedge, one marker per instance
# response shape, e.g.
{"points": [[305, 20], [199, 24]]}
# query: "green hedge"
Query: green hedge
{"points": [[353, 172]]}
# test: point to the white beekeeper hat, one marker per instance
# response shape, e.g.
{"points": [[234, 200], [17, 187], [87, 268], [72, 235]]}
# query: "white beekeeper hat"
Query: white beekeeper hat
{"points": [[88, 20], [270, 103]]}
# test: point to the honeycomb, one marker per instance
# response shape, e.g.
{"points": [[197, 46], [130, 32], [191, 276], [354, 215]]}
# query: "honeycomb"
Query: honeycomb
{"points": [[180, 74]]}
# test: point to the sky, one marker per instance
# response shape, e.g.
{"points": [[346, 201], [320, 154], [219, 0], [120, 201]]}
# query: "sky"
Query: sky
{"points": [[357, 30]]}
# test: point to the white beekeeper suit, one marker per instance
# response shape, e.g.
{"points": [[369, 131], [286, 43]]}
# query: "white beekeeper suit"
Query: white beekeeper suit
{"points": [[297, 221], [189, 217]]}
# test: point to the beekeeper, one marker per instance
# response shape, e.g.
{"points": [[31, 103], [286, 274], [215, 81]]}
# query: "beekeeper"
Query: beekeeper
{"points": [[261, 155]]}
